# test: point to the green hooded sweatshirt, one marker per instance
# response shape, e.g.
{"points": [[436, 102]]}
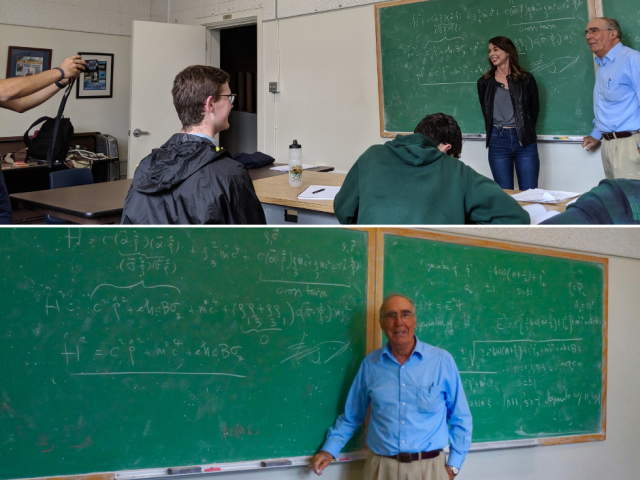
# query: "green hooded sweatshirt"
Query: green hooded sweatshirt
{"points": [[408, 181]]}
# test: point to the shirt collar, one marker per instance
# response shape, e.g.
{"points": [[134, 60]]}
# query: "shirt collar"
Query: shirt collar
{"points": [[418, 350], [611, 54], [204, 135]]}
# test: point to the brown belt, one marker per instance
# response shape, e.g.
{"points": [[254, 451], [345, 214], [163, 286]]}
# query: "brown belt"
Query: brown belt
{"points": [[405, 457], [614, 135]]}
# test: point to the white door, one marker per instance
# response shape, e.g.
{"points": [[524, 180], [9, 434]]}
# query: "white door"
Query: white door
{"points": [[158, 52]]}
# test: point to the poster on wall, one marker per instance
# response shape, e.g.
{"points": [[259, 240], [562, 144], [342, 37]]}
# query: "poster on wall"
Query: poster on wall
{"points": [[24, 61], [97, 80]]}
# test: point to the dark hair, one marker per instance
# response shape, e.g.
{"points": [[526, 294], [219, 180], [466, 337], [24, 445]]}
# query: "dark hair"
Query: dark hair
{"points": [[191, 87], [612, 24], [503, 43], [442, 128]]}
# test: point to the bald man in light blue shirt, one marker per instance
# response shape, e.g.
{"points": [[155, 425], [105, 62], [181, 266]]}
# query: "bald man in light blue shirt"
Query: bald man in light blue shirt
{"points": [[616, 100]]}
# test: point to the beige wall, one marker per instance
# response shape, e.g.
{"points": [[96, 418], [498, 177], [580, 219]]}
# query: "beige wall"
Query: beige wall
{"points": [[105, 115]]}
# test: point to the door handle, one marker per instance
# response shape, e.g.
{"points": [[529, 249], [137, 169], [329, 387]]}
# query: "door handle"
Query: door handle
{"points": [[137, 132]]}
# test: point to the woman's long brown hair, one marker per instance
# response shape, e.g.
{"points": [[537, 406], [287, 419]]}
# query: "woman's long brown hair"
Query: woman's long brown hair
{"points": [[504, 43]]}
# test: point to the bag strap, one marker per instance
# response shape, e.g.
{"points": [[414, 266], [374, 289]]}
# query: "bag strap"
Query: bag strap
{"points": [[63, 103], [26, 139]]}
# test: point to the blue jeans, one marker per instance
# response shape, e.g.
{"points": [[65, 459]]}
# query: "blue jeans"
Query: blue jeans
{"points": [[505, 151]]}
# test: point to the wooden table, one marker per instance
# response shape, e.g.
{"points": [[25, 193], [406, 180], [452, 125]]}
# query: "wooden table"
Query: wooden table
{"points": [[558, 207], [93, 204], [100, 203]]}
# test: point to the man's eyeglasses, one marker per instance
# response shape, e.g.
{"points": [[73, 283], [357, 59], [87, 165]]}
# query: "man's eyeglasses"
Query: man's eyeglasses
{"points": [[404, 315], [232, 97], [594, 30]]}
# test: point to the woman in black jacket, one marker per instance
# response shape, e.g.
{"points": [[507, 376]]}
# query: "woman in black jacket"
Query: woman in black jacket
{"points": [[509, 102]]}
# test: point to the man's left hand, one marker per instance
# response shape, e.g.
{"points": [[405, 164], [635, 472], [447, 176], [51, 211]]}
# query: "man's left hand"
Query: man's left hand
{"points": [[451, 475]]}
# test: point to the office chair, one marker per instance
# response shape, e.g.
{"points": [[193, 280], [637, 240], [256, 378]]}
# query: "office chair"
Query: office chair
{"points": [[67, 178]]}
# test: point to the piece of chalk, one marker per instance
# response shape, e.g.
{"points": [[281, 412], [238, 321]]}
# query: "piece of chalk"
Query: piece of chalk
{"points": [[275, 463], [213, 469], [343, 458], [180, 471]]}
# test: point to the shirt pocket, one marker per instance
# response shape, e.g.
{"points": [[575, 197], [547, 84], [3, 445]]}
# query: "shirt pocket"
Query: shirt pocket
{"points": [[429, 400]]}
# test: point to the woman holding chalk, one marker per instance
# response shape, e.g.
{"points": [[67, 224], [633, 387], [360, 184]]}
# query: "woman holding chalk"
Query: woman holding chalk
{"points": [[509, 102]]}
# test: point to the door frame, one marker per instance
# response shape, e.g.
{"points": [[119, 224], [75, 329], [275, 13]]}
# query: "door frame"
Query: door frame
{"points": [[214, 24]]}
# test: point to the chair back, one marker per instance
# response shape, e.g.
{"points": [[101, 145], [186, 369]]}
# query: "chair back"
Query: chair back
{"points": [[67, 178]]}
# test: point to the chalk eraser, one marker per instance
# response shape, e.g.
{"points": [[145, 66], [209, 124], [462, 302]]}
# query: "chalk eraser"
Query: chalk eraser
{"points": [[180, 471], [275, 463]]}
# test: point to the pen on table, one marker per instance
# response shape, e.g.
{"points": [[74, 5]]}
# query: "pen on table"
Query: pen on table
{"points": [[318, 191]]}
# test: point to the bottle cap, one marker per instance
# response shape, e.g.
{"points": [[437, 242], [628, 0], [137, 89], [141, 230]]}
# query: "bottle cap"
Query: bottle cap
{"points": [[295, 144]]}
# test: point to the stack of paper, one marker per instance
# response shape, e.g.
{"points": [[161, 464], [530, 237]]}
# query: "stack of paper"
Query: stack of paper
{"points": [[285, 168], [538, 195], [538, 213], [319, 192]]}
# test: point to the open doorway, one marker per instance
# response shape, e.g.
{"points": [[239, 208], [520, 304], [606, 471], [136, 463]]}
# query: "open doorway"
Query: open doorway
{"points": [[239, 58]]}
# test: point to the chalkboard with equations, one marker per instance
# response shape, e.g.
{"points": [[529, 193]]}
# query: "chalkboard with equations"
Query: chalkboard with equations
{"points": [[526, 327], [431, 54], [627, 12], [148, 348]]}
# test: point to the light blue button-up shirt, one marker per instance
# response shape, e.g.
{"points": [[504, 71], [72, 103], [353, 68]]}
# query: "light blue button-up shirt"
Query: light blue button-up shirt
{"points": [[616, 96], [410, 405], [204, 135]]}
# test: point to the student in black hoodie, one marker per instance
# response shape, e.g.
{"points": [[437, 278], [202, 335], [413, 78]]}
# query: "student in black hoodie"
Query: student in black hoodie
{"points": [[189, 179]]}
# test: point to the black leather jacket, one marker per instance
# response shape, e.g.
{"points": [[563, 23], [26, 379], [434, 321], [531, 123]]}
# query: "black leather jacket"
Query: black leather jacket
{"points": [[524, 96]]}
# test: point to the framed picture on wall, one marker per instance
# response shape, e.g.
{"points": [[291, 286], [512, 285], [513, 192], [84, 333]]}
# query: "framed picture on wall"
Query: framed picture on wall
{"points": [[24, 61], [97, 80]]}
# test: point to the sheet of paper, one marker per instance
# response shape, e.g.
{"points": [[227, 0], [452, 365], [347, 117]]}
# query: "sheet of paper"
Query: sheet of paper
{"points": [[285, 168], [538, 213], [538, 195], [319, 192]]}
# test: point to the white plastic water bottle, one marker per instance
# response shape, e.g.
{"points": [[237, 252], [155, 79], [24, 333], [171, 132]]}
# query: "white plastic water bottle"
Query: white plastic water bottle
{"points": [[295, 164]]}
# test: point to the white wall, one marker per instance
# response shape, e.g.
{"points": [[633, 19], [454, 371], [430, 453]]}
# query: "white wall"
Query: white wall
{"points": [[105, 115], [95, 16]]}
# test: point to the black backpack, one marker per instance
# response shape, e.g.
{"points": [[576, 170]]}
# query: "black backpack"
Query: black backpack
{"points": [[42, 146]]}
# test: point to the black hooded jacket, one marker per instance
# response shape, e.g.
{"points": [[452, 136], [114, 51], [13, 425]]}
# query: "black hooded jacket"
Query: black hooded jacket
{"points": [[526, 106], [189, 181]]}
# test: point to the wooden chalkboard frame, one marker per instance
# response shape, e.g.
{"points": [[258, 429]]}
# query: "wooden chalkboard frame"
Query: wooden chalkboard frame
{"points": [[511, 247], [595, 10]]}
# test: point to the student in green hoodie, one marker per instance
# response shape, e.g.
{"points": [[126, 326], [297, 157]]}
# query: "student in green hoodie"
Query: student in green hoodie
{"points": [[418, 179]]}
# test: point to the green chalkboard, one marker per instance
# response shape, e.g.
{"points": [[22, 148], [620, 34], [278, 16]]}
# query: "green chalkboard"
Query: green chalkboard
{"points": [[527, 332], [627, 12], [431, 54], [151, 348]]}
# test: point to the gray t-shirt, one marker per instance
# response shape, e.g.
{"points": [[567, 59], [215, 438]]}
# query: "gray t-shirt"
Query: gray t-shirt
{"points": [[503, 108]]}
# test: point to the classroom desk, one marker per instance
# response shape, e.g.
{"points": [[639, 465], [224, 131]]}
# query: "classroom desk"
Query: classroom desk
{"points": [[93, 204], [282, 207], [99, 203], [559, 207]]}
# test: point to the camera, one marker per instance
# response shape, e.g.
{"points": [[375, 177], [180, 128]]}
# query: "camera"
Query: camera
{"points": [[92, 66]]}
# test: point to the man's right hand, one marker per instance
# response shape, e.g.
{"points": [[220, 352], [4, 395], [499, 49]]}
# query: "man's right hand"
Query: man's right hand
{"points": [[589, 142], [320, 461], [73, 66]]}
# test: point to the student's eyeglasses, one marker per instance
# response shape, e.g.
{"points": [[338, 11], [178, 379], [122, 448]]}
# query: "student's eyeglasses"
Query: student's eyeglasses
{"points": [[232, 97]]}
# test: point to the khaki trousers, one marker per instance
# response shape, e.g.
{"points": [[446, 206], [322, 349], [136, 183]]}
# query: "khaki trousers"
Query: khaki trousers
{"points": [[620, 157], [382, 468]]}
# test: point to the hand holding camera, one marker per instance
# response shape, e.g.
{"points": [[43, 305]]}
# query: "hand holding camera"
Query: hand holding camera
{"points": [[74, 66]]}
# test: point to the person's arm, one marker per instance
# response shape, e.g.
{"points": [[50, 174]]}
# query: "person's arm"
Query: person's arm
{"points": [[24, 104], [459, 417], [635, 72], [487, 203], [19, 87], [347, 201], [353, 417]]}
